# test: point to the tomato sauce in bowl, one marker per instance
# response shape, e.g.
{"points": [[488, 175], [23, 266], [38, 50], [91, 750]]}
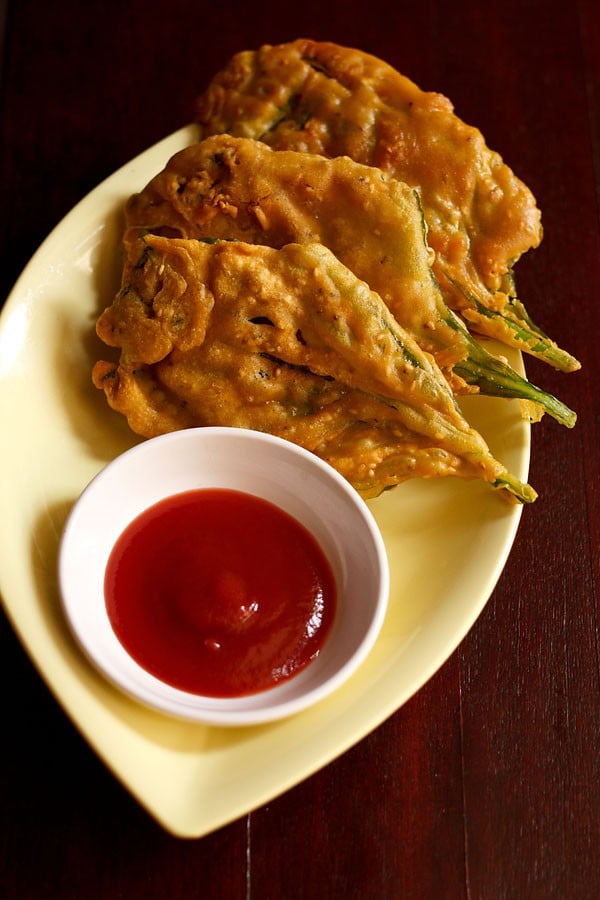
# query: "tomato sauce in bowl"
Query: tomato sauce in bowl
{"points": [[223, 576], [220, 593]]}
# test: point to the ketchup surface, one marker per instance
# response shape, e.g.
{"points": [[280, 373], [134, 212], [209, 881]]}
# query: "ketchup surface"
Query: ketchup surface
{"points": [[219, 593]]}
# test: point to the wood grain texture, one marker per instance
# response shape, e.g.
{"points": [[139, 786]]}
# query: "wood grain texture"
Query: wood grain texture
{"points": [[486, 784]]}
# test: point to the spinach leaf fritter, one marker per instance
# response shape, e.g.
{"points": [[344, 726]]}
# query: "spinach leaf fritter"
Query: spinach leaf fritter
{"points": [[240, 189], [319, 97], [287, 341]]}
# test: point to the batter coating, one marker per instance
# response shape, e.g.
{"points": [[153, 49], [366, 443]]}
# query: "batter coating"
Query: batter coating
{"points": [[239, 189], [287, 341], [318, 97]]}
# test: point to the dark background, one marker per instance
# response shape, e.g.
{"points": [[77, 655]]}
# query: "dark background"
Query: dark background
{"points": [[486, 784]]}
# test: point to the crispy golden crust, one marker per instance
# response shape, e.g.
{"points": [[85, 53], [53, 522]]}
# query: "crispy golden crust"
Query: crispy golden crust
{"points": [[287, 341], [318, 97], [239, 189], [323, 98]]}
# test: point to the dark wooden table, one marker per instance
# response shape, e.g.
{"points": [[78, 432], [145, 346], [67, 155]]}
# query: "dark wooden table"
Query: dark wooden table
{"points": [[486, 784]]}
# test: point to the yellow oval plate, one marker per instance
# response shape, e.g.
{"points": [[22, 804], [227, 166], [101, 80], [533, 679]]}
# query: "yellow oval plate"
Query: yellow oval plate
{"points": [[447, 543]]}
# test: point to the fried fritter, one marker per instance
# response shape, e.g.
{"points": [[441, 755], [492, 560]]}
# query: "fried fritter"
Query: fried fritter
{"points": [[322, 98], [287, 341], [239, 189]]}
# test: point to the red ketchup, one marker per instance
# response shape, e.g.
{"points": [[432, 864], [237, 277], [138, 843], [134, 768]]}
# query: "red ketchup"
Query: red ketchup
{"points": [[220, 593]]}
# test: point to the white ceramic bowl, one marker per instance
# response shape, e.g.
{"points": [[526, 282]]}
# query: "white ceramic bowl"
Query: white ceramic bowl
{"points": [[259, 464]]}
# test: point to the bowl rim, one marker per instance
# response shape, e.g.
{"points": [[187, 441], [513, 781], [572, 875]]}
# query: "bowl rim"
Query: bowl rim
{"points": [[282, 700]]}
